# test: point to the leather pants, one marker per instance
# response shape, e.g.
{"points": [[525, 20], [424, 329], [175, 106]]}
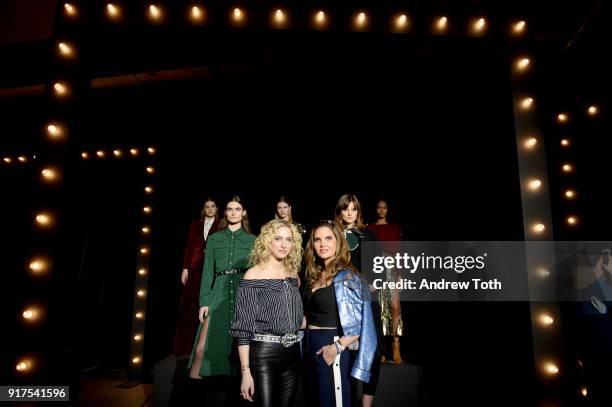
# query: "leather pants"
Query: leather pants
{"points": [[276, 371]]}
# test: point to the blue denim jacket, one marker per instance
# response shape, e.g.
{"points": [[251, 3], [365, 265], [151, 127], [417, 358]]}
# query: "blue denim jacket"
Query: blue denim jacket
{"points": [[353, 298]]}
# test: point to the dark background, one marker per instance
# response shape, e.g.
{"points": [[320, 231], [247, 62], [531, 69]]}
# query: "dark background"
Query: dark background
{"points": [[312, 118]]}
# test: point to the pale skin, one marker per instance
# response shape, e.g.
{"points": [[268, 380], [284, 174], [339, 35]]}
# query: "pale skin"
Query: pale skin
{"points": [[272, 267], [325, 246], [233, 214], [210, 211], [349, 215], [283, 210]]}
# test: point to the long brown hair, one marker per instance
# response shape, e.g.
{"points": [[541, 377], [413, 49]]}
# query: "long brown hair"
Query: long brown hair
{"points": [[315, 266], [245, 220], [342, 204]]}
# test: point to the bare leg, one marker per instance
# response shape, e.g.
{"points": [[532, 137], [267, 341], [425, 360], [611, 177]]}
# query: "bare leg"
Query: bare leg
{"points": [[367, 400], [194, 372]]}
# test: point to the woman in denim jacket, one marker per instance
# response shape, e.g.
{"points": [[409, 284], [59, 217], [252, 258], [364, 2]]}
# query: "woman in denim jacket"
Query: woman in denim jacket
{"points": [[339, 316]]}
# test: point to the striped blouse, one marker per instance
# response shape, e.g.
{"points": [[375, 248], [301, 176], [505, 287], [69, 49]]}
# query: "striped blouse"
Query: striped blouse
{"points": [[266, 306]]}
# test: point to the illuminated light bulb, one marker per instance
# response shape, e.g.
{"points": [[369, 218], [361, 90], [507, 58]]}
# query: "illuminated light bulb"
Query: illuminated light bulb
{"points": [[134, 151], [584, 392], [54, 131], [8, 160], [139, 315], [522, 64], [101, 153], [567, 168], [70, 10], [572, 220], [142, 272], [60, 89], [570, 194], [196, 14], [44, 219], [538, 228], [546, 319], [592, 110], [401, 22], [65, 49], [551, 368], [535, 184], [29, 314], [144, 250], [320, 19], [155, 12], [147, 209], [479, 25], [117, 153], [112, 11], [23, 365], [136, 360], [151, 150], [565, 142], [238, 15], [21, 159], [441, 24], [38, 266], [84, 155], [150, 170], [137, 337], [279, 17], [49, 174], [543, 273], [148, 189], [519, 27], [141, 293], [562, 117], [361, 19], [146, 230], [526, 103]]}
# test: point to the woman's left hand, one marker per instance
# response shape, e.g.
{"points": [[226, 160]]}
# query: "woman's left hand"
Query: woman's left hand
{"points": [[329, 353]]}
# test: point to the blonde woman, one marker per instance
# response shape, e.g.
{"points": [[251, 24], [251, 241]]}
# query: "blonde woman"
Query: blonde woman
{"points": [[268, 315]]}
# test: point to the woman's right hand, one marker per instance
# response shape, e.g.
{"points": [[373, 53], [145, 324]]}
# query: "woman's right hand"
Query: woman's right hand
{"points": [[203, 313], [247, 386], [184, 276]]}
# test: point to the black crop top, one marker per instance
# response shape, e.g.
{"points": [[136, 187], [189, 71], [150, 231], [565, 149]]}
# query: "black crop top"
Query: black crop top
{"points": [[321, 308]]}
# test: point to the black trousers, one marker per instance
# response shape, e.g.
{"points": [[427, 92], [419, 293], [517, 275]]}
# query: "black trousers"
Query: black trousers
{"points": [[276, 371]]}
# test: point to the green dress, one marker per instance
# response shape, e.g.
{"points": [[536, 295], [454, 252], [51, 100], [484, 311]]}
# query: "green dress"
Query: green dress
{"points": [[225, 250]]}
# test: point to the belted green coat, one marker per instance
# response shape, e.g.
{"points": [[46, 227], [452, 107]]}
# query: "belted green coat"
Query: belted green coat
{"points": [[225, 250]]}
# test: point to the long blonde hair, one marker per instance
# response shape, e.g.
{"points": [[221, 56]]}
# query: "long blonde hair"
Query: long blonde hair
{"points": [[261, 248], [315, 266]]}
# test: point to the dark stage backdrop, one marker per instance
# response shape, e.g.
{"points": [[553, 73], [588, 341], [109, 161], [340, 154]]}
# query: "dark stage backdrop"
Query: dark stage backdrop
{"points": [[426, 126]]}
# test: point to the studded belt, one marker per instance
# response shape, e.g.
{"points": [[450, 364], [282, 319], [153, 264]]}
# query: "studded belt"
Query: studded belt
{"points": [[285, 340], [229, 272]]}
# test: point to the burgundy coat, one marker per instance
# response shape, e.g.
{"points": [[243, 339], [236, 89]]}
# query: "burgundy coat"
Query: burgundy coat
{"points": [[196, 245], [188, 322]]}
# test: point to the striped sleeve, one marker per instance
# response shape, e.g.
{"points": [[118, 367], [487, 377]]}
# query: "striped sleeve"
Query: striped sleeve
{"points": [[246, 310]]}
